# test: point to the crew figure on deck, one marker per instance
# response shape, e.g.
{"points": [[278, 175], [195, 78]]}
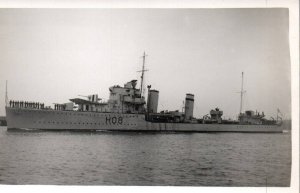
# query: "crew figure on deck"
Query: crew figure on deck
{"points": [[26, 104]]}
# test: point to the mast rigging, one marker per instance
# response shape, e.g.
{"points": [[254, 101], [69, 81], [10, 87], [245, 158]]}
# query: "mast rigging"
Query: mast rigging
{"points": [[242, 92], [142, 76], [6, 96]]}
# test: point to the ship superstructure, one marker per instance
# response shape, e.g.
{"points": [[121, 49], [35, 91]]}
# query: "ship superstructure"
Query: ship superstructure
{"points": [[127, 99]]}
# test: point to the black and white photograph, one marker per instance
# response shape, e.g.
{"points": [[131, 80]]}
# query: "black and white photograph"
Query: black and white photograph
{"points": [[180, 97]]}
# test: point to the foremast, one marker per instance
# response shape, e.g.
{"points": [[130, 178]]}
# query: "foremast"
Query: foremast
{"points": [[143, 70]]}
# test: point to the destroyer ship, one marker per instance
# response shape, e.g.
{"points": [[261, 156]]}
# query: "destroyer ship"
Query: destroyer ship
{"points": [[128, 110]]}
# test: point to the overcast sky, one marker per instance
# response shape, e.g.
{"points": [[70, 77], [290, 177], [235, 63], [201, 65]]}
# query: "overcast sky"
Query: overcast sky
{"points": [[52, 55]]}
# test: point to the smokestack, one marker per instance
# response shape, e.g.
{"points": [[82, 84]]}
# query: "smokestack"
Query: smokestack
{"points": [[189, 106], [153, 101]]}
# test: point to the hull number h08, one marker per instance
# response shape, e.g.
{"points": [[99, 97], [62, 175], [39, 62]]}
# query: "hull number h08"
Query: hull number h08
{"points": [[114, 120]]}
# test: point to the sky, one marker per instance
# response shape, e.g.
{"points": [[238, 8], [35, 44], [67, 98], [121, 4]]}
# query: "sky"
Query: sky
{"points": [[52, 55]]}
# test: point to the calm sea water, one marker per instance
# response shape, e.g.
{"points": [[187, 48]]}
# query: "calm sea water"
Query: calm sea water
{"points": [[126, 158]]}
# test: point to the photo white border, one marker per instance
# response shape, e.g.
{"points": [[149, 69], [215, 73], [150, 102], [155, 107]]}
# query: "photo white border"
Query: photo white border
{"points": [[293, 6]]}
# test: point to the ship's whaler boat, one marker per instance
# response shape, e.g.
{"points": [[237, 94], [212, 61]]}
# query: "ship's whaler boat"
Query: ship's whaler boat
{"points": [[127, 110]]}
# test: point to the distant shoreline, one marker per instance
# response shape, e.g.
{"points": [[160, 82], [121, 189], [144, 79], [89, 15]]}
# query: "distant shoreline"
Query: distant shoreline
{"points": [[3, 121]]}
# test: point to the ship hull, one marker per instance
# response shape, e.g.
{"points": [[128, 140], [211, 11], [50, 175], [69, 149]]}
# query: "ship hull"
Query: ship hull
{"points": [[25, 118]]}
